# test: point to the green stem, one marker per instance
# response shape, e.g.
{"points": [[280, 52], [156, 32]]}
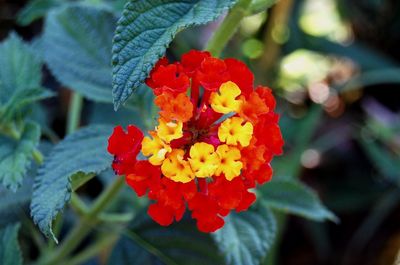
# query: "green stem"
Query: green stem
{"points": [[78, 205], [36, 236], [115, 218], [74, 112], [150, 248], [83, 228], [227, 28], [279, 17], [93, 250]]}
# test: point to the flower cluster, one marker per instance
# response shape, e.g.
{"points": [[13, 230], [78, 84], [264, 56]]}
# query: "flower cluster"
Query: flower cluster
{"points": [[214, 141]]}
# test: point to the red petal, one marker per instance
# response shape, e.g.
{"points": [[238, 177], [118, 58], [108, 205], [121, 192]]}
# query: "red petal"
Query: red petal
{"points": [[161, 214], [240, 74], [192, 60]]}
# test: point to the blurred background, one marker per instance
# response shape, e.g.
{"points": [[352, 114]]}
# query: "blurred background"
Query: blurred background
{"points": [[334, 67]]}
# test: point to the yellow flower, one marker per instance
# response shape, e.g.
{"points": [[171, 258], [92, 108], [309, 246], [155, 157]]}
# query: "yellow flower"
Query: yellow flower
{"points": [[232, 131], [224, 101], [176, 168], [169, 131], [155, 148], [229, 164], [203, 160]]}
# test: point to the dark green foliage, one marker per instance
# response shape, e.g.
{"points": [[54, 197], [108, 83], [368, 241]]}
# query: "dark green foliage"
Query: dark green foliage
{"points": [[144, 32], [83, 152]]}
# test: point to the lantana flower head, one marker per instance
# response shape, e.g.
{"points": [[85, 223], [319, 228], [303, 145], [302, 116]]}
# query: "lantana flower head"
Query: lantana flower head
{"points": [[215, 139]]}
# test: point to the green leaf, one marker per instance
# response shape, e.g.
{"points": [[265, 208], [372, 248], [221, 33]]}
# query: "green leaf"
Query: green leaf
{"points": [[246, 237], [365, 57], [10, 253], [291, 196], [34, 10], [384, 161], [77, 43], [13, 204], [21, 99], [19, 68], [145, 30], [16, 155], [20, 77], [371, 78], [149, 243], [83, 152]]}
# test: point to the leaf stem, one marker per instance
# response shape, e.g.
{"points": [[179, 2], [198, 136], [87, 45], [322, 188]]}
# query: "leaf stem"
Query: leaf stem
{"points": [[93, 250], [74, 112], [227, 28], [279, 17], [83, 228], [78, 205], [150, 248], [36, 236]]}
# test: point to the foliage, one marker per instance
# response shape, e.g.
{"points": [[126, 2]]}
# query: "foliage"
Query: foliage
{"points": [[138, 44], [246, 237], [81, 153], [73, 56], [103, 51], [10, 253], [16, 155], [145, 242], [291, 196]]}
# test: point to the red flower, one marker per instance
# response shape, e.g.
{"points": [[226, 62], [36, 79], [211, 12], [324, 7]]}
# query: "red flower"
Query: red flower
{"points": [[206, 212], [209, 149], [240, 75], [168, 78], [145, 177], [212, 73], [192, 60], [124, 147]]}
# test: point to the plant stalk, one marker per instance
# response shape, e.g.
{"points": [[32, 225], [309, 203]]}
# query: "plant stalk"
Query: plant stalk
{"points": [[74, 112], [227, 28], [93, 250], [82, 229]]}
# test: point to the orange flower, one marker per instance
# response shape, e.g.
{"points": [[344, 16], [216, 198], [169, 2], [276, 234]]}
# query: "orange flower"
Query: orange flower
{"points": [[252, 107], [174, 107]]}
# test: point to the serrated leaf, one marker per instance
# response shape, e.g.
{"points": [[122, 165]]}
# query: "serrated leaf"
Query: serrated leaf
{"points": [[12, 204], [291, 196], [15, 205], [10, 253], [84, 151], [145, 30], [34, 10], [77, 43], [20, 76], [246, 237], [21, 99], [149, 243], [16, 155]]}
